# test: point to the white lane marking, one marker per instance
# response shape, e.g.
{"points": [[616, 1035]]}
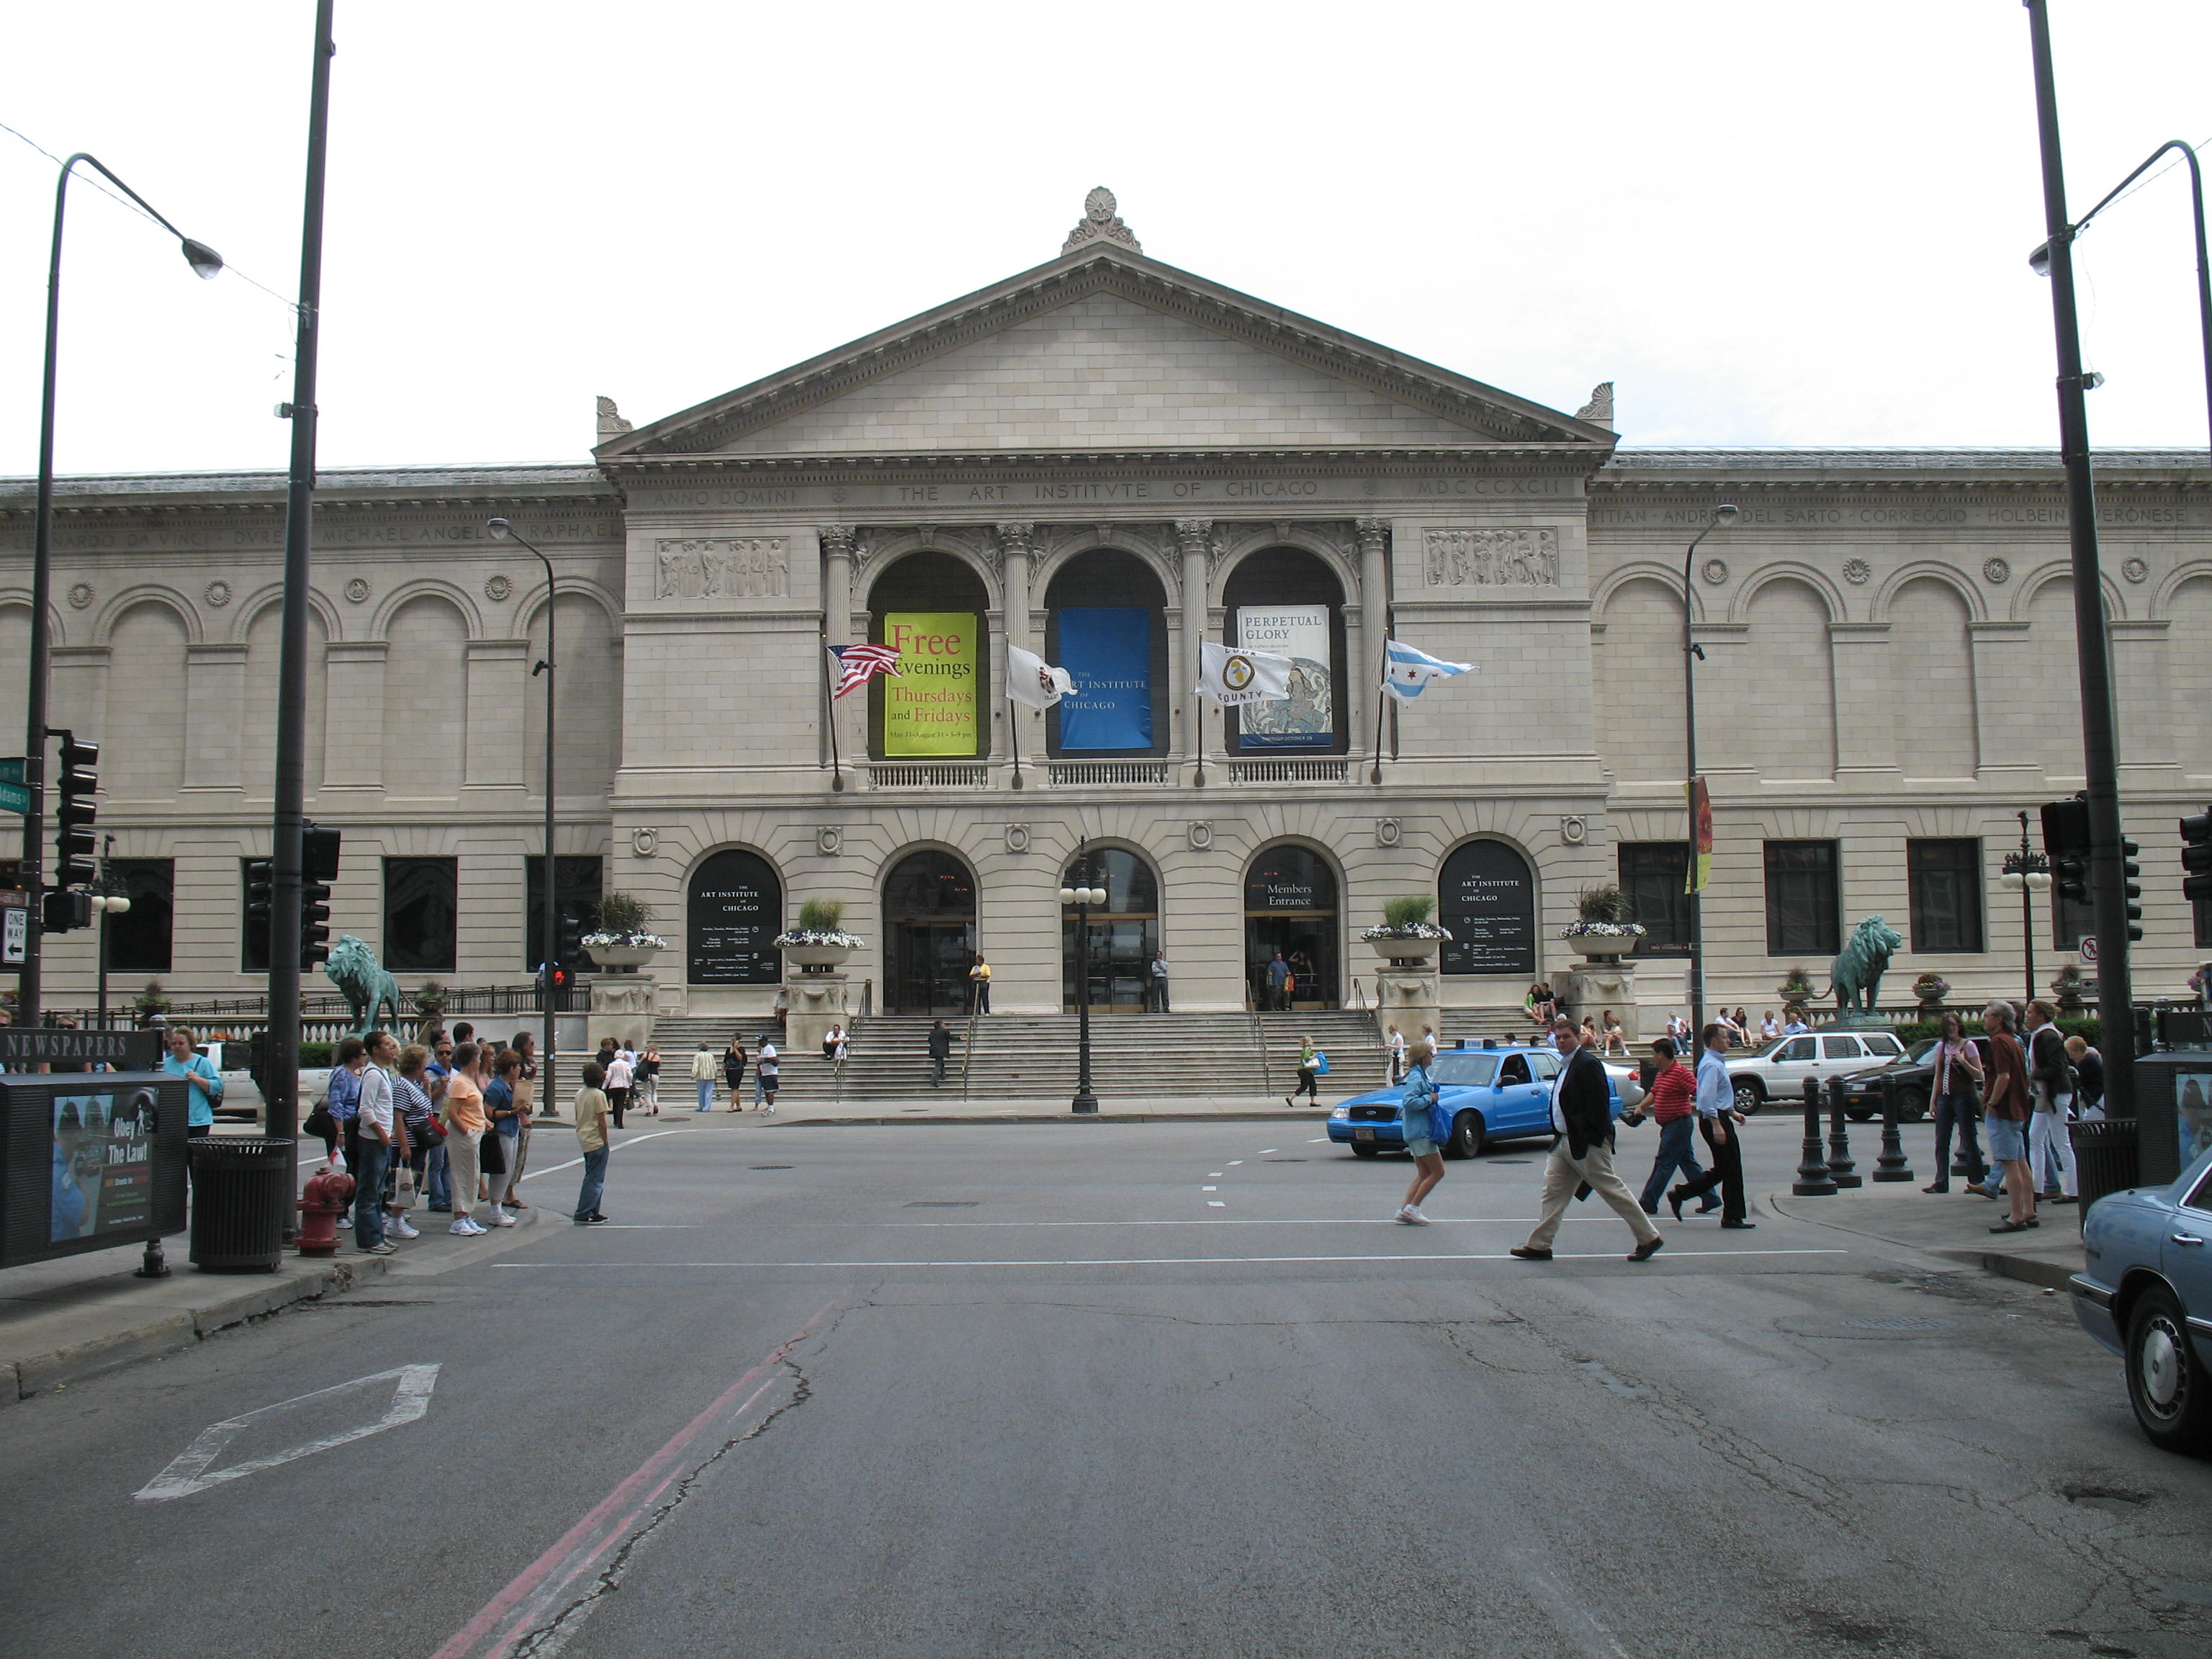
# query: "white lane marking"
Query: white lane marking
{"points": [[1158, 1261], [1213, 1175], [1605, 1220], [1215, 1203], [554, 1169], [1264, 1151], [1209, 1189], [1234, 1162], [1318, 1141], [188, 1472]]}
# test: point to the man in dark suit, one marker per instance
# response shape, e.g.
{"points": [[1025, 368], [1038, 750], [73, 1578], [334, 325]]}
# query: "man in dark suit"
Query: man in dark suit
{"points": [[1581, 1115]]}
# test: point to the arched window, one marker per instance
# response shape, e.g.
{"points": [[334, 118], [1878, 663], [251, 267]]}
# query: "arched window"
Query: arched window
{"points": [[735, 911], [1487, 898], [1284, 601], [929, 934], [1125, 930], [1104, 624], [1290, 911], [931, 608]]}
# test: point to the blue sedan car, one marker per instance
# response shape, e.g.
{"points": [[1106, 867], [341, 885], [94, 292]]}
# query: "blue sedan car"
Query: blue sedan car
{"points": [[1496, 1093], [2145, 1291]]}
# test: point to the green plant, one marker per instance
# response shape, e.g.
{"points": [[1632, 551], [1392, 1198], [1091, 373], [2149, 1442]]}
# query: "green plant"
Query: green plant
{"points": [[1606, 905], [1408, 911], [150, 1000], [2066, 987], [821, 916], [622, 914], [1796, 986], [430, 1000], [314, 1055]]}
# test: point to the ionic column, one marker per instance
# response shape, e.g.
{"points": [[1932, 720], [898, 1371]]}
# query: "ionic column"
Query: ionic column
{"points": [[837, 624], [1014, 540], [1374, 631], [1194, 535]]}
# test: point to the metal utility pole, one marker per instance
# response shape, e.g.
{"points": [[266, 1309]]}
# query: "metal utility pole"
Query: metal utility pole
{"points": [[2099, 742], [282, 1065], [1725, 514], [548, 910]]}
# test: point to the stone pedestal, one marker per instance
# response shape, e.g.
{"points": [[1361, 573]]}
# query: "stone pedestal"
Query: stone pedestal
{"points": [[818, 1002], [1409, 998], [621, 1008], [1591, 988]]}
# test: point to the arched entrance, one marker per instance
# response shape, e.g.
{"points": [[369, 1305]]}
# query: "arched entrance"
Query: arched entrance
{"points": [[1290, 907], [1125, 932], [733, 912], [929, 927]]}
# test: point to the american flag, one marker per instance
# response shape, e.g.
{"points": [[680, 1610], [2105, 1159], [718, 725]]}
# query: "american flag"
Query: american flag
{"points": [[858, 664]]}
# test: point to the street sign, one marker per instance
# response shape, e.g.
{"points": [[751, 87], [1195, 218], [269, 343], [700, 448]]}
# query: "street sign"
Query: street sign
{"points": [[14, 797], [11, 769], [14, 926], [2088, 947]]}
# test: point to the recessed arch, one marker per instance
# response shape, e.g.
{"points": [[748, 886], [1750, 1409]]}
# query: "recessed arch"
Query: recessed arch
{"points": [[421, 587], [1636, 670], [247, 612], [1831, 597], [1106, 624], [143, 754], [1291, 600], [1487, 901], [929, 931], [103, 628], [732, 911], [2031, 585], [934, 606], [1292, 909], [1124, 930], [1666, 576], [1933, 570]]}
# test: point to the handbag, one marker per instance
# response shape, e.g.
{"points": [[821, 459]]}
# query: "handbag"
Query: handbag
{"points": [[1321, 1064], [492, 1153], [320, 1124], [431, 1132]]}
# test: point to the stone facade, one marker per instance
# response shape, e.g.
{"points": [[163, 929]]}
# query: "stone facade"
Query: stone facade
{"points": [[1888, 642]]}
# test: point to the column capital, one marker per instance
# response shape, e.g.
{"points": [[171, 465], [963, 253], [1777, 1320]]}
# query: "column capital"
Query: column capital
{"points": [[1374, 535], [837, 540], [1193, 534], [1017, 537]]}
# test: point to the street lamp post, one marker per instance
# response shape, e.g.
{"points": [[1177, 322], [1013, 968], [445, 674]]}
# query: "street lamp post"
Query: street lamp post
{"points": [[1083, 898], [108, 899], [549, 927], [1692, 654], [2029, 872], [208, 263], [2091, 646]]}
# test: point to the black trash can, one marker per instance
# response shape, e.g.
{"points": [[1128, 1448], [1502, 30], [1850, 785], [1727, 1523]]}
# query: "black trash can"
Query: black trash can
{"points": [[241, 1194], [2105, 1157]]}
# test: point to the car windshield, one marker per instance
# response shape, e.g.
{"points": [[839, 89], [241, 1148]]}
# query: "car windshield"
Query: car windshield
{"points": [[1759, 1050], [1923, 1048], [1463, 1068]]}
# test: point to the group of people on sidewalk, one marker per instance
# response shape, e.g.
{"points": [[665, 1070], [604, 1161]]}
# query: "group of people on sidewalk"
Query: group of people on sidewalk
{"points": [[2024, 1096], [444, 1124], [767, 1074]]}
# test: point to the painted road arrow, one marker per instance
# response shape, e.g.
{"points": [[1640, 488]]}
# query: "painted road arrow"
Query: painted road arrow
{"points": [[190, 1470]]}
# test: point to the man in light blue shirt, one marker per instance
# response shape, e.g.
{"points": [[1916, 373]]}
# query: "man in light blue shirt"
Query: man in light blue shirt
{"points": [[1718, 1120]]}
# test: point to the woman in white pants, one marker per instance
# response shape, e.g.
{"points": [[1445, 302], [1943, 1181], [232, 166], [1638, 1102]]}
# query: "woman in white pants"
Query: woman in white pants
{"points": [[2051, 1087]]}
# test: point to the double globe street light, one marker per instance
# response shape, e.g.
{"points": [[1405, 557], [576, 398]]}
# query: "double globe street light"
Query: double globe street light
{"points": [[549, 927], [1082, 898]]}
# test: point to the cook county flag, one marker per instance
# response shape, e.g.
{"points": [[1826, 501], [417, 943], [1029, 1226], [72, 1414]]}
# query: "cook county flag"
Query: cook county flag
{"points": [[1032, 681], [1231, 676], [1408, 671]]}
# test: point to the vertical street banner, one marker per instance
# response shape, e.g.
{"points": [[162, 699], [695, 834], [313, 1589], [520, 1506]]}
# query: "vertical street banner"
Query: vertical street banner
{"points": [[933, 706], [1701, 835], [1306, 718], [1108, 652]]}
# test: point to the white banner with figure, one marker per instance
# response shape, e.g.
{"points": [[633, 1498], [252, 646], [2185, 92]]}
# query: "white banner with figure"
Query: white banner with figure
{"points": [[1305, 716]]}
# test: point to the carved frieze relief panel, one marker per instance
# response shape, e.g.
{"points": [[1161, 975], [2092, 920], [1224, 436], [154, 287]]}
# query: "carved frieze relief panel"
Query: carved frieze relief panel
{"points": [[722, 567], [1491, 558]]}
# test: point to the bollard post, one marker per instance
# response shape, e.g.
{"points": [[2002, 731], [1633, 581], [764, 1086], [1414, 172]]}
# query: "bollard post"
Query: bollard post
{"points": [[1813, 1180], [1842, 1169], [1892, 1165], [153, 1262]]}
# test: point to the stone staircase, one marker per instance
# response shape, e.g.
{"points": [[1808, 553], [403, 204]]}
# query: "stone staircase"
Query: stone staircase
{"points": [[1033, 1056]]}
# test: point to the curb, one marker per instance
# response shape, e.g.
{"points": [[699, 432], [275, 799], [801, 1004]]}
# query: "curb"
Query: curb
{"points": [[2027, 1269], [1053, 1117], [175, 1332]]}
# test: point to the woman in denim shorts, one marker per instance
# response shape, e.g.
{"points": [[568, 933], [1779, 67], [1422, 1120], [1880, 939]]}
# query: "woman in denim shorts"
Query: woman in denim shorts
{"points": [[1428, 1157]]}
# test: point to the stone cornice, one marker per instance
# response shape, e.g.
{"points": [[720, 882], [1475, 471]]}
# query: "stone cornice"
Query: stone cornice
{"points": [[384, 488], [1929, 468], [869, 469], [1095, 269]]}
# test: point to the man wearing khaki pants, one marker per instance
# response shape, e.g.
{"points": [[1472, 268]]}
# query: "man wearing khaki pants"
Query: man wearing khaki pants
{"points": [[1582, 1113]]}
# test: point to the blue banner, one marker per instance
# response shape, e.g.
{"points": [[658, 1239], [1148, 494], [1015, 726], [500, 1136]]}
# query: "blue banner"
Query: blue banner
{"points": [[1108, 653]]}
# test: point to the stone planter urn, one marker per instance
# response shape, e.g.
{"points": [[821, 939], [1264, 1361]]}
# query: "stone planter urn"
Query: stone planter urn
{"points": [[1406, 950], [623, 958], [1605, 944], [818, 958]]}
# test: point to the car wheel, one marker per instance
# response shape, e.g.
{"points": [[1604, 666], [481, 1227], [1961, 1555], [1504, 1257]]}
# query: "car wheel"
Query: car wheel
{"points": [[2168, 1389], [1859, 1114], [1912, 1105], [1466, 1136], [1365, 1149], [1749, 1097]]}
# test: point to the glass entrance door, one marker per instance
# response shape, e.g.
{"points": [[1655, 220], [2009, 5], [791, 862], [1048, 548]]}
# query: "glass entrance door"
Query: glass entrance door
{"points": [[1121, 949], [929, 965], [1289, 908]]}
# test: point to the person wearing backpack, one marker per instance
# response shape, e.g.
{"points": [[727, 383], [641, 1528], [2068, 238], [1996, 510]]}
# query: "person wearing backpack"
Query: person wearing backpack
{"points": [[1424, 1133]]}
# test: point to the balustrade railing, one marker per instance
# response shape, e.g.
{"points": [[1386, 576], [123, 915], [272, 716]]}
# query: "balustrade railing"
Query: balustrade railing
{"points": [[1288, 771], [1080, 772], [928, 774]]}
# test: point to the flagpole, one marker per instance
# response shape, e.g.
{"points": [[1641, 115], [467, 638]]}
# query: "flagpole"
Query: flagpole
{"points": [[1014, 728], [836, 768], [1382, 704], [1198, 729]]}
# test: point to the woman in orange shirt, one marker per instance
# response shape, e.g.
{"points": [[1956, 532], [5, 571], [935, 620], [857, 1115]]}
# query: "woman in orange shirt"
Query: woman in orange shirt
{"points": [[465, 1117]]}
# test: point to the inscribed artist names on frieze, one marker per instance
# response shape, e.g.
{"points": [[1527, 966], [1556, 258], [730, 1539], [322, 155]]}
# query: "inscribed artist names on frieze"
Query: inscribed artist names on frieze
{"points": [[1955, 512]]}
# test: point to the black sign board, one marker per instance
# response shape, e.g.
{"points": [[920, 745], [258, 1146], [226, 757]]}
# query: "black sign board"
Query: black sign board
{"points": [[1488, 897], [90, 1160], [735, 912], [22, 1048]]}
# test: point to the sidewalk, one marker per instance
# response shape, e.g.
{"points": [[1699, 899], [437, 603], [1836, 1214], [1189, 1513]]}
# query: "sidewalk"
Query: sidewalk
{"points": [[1947, 1225], [948, 1108]]}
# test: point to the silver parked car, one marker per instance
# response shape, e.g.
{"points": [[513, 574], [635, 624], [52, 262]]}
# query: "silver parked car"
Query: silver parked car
{"points": [[1777, 1070]]}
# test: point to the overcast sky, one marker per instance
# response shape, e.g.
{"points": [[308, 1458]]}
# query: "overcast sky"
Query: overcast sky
{"points": [[1769, 223]]}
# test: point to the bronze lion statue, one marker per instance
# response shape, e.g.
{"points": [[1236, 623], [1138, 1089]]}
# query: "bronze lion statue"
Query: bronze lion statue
{"points": [[1855, 975], [354, 969]]}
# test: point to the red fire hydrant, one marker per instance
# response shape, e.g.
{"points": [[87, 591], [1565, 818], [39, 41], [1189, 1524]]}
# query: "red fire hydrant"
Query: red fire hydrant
{"points": [[328, 1196]]}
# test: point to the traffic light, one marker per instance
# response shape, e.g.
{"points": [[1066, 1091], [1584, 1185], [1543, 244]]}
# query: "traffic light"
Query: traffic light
{"points": [[2196, 857], [2066, 839], [572, 942], [319, 867], [2129, 886], [260, 909], [75, 784], [66, 909]]}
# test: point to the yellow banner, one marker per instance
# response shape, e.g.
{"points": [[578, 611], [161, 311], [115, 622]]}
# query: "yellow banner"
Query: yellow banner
{"points": [[931, 707]]}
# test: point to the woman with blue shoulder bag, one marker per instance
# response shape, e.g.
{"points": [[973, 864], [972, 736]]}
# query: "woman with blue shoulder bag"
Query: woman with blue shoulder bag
{"points": [[1428, 1127]]}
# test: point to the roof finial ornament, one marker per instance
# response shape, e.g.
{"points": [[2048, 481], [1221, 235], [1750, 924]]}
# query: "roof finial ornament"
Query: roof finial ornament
{"points": [[1100, 223], [1599, 409], [611, 424]]}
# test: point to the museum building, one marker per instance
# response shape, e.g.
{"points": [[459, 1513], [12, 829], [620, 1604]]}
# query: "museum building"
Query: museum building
{"points": [[1107, 461]]}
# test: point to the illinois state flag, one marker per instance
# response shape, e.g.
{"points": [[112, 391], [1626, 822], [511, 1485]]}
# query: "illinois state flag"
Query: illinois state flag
{"points": [[1231, 676], [1032, 681], [1406, 672]]}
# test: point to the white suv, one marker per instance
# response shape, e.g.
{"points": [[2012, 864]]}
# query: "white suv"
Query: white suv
{"points": [[1777, 1070]]}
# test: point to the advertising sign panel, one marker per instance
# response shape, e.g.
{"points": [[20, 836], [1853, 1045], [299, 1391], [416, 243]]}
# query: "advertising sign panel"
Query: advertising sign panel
{"points": [[93, 1159], [931, 706], [1307, 718], [1108, 653]]}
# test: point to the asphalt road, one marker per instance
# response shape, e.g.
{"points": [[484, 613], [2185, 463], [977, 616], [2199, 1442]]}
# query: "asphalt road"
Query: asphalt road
{"points": [[1158, 1389]]}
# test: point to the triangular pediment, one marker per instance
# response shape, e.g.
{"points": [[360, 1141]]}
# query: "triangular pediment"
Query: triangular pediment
{"points": [[1105, 349]]}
